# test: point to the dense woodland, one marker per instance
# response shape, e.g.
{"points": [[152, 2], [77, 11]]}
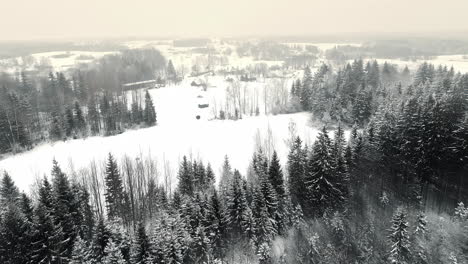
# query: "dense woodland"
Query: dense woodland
{"points": [[394, 191]]}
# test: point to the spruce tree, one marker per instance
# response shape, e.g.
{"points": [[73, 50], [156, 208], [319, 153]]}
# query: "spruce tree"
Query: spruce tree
{"points": [[420, 235], [271, 202], [56, 131], [86, 213], [80, 123], [264, 224], [64, 211], [171, 72], [69, 122], [94, 118], [15, 242], [210, 177], [216, 229], [185, 177], [114, 194], [48, 241], [26, 207], [275, 175], [399, 239], [100, 240], [201, 250], [45, 195], [236, 206], [306, 89], [142, 245], [149, 113], [325, 190], [9, 193], [296, 169], [226, 176], [112, 254], [81, 253]]}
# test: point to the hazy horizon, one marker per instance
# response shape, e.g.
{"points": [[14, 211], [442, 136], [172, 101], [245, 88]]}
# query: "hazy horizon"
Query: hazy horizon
{"points": [[58, 20]]}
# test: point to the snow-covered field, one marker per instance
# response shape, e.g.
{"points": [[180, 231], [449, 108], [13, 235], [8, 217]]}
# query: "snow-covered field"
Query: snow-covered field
{"points": [[59, 60], [178, 133]]}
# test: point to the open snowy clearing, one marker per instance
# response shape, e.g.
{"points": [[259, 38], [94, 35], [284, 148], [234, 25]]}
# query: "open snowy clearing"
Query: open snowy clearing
{"points": [[208, 140]]}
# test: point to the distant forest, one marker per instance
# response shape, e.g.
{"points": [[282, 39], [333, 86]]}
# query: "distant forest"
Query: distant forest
{"points": [[11, 49]]}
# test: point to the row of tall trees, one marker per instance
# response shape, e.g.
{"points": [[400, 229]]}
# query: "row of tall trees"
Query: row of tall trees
{"points": [[65, 109]]}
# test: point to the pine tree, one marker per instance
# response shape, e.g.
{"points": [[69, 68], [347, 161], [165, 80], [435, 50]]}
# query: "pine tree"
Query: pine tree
{"points": [[271, 201], [26, 207], [185, 176], [201, 250], [236, 206], [275, 175], [100, 241], [171, 72], [264, 224], [112, 254], [296, 169], [48, 242], [15, 243], [420, 236], [362, 107], [81, 252], [226, 176], [339, 152], [210, 177], [142, 245], [306, 89], [149, 114], [69, 122], [45, 195], [56, 132], [137, 114], [86, 213], [264, 252], [114, 194], [9, 193], [324, 188], [293, 89], [94, 118], [80, 123], [399, 239], [216, 228], [64, 211]]}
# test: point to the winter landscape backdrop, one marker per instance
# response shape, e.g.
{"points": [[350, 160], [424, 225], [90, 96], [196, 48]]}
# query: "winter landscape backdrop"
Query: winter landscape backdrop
{"points": [[289, 148]]}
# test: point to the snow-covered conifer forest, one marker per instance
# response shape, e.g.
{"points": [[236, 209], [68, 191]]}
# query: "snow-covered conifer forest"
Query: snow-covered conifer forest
{"points": [[349, 148]]}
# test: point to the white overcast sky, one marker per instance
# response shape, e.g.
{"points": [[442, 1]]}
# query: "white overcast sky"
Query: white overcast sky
{"points": [[42, 19]]}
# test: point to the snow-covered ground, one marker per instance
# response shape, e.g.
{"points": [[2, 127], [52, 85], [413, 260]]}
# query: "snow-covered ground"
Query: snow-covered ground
{"points": [[178, 133], [59, 60]]}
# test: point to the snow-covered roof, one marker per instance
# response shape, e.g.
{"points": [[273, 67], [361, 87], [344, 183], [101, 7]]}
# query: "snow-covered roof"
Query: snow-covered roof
{"points": [[137, 83]]}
